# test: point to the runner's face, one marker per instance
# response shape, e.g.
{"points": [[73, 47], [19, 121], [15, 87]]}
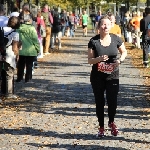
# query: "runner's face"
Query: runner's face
{"points": [[105, 26]]}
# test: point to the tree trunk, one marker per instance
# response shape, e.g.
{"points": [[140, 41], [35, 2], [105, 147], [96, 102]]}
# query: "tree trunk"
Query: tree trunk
{"points": [[148, 2], [127, 5]]}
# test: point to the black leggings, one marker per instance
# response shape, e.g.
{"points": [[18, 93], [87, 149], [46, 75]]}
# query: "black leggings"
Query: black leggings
{"points": [[22, 62], [112, 88]]}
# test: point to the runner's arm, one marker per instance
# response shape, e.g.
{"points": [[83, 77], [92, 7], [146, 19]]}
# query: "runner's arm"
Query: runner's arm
{"points": [[93, 60], [123, 52]]}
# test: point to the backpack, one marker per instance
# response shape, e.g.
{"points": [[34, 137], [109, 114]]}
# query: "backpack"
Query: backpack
{"points": [[42, 31], [57, 23], [5, 41], [8, 39], [2, 42]]}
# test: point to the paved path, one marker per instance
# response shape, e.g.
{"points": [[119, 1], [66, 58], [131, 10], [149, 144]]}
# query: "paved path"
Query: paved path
{"points": [[57, 111]]}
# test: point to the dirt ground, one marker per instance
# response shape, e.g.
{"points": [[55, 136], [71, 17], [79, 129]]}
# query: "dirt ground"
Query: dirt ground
{"points": [[137, 55]]}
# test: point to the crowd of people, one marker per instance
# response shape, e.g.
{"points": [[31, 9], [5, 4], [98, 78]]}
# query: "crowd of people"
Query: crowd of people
{"points": [[135, 28], [32, 36], [29, 37]]}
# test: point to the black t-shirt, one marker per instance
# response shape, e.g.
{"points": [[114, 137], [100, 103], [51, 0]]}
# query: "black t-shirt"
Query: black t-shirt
{"points": [[111, 51]]}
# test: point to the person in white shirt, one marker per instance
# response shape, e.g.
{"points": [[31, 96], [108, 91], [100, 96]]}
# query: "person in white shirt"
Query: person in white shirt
{"points": [[9, 64], [15, 12]]}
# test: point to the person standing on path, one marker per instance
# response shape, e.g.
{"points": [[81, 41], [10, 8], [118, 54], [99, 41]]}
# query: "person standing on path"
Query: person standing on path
{"points": [[56, 29], [97, 18], [41, 32], [126, 27], [71, 22], [145, 39], [30, 49], [102, 53], [135, 23], [118, 19], [93, 19], [48, 19], [64, 21], [84, 23]]}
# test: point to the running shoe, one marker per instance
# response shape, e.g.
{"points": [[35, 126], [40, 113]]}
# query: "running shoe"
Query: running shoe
{"points": [[101, 132], [114, 130]]}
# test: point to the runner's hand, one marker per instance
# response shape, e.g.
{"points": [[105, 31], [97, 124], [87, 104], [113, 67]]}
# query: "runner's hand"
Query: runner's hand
{"points": [[103, 58], [117, 62]]}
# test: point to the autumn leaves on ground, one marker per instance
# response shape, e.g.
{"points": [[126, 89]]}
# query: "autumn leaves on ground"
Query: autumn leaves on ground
{"points": [[137, 55]]}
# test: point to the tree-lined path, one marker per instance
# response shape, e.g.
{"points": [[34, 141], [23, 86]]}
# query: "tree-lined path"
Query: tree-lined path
{"points": [[57, 111]]}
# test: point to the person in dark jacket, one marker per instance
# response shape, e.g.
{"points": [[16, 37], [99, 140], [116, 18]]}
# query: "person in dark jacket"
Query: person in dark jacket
{"points": [[145, 41], [64, 21], [118, 19], [56, 29]]}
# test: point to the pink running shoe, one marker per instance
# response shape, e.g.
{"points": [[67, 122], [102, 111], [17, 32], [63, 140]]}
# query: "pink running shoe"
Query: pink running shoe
{"points": [[114, 130], [101, 132]]}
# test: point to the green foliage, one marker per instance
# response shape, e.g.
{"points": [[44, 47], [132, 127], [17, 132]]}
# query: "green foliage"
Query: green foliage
{"points": [[72, 4]]}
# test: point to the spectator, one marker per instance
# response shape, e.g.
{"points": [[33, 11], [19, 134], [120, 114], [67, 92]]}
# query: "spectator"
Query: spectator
{"points": [[3, 18], [67, 25], [64, 21], [30, 49], [71, 24], [93, 22], [145, 38], [126, 28], [97, 18], [40, 28], [15, 12], [9, 64], [135, 23], [76, 22], [3, 23], [25, 15], [56, 29], [48, 19], [118, 19]]}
